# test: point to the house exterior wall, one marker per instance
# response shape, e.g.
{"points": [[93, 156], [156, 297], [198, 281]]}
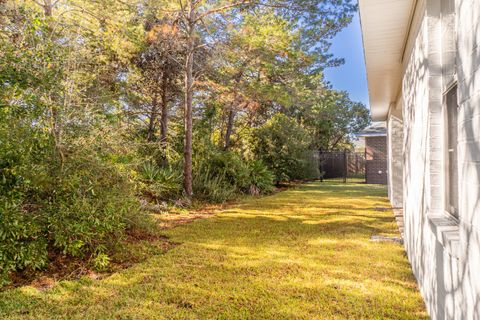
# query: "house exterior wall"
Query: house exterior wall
{"points": [[376, 160], [444, 252], [395, 155], [468, 73]]}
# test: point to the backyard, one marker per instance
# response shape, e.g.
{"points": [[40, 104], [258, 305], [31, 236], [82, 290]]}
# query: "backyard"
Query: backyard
{"points": [[304, 253]]}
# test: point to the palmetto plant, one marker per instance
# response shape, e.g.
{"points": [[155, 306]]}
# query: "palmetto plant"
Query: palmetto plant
{"points": [[149, 172]]}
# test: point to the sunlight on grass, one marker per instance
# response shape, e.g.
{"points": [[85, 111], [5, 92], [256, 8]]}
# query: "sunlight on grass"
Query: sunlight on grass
{"points": [[300, 254]]}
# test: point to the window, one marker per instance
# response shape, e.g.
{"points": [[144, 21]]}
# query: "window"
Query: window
{"points": [[452, 154]]}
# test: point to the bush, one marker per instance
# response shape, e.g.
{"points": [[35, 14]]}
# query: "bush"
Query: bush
{"points": [[212, 186], [79, 209], [260, 179], [220, 175], [282, 144], [161, 183], [22, 242], [88, 206], [308, 166], [229, 165]]}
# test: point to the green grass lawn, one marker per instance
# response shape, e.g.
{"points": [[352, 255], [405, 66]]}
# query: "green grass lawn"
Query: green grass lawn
{"points": [[300, 254]]}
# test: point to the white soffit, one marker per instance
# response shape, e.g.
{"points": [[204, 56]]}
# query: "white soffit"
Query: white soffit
{"points": [[385, 27]]}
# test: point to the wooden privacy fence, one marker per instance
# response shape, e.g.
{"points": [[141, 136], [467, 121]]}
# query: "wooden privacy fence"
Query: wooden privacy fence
{"points": [[342, 164]]}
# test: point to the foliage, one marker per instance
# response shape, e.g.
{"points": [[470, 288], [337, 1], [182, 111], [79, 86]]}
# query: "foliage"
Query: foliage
{"points": [[260, 178], [22, 243], [282, 144], [161, 183], [221, 175], [210, 186], [227, 164], [333, 120], [86, 207], [58, 191], [99, 101], [89, 207]]}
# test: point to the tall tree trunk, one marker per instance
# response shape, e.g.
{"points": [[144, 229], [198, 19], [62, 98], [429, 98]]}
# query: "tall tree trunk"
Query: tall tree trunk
{"points": [[164, 115], [151, 121], [228, 132], [231, 112], [187, 150], [163, 160], [56, 123], [47, 7]]}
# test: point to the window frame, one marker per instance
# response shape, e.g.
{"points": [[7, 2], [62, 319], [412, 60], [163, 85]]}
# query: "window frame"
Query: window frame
{"points": [[450, 209]]}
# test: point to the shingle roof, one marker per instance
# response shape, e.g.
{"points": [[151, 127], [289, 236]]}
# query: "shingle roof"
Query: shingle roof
{"points": [[377, 129]]}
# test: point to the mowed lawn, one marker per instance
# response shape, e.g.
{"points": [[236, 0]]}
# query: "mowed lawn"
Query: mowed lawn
{"points": [[304, 253]]}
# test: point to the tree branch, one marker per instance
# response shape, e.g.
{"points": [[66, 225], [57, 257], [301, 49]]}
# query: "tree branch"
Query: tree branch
{"points": [[223, 8]]}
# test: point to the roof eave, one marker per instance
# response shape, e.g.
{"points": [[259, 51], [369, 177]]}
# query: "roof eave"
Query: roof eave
{"points": [[385, 28]]}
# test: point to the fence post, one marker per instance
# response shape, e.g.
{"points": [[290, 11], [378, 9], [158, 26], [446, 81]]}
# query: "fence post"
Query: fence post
{"points": [[320, 162], [366, 162], [356, 164], [345, 166]]}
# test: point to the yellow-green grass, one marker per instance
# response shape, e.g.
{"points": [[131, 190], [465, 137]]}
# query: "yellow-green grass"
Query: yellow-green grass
{"points": [[300, 254]]}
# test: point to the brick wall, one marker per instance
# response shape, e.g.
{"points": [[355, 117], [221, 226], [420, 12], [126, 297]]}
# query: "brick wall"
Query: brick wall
{"points": [[376, 160]]}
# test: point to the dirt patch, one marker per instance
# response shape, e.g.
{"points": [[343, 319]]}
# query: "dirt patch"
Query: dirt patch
{"points": [[198, 211], [168, 221]]}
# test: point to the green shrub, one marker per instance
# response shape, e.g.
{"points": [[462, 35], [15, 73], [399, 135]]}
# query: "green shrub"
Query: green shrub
{"points": [[23, 240], [282, 144], [85, 205], [260, 178], [308, 166], [89, 207], [161, 183], [221, 175], [149, 172], [168, 183], [22, 243], [212, 186], [230, 166]]}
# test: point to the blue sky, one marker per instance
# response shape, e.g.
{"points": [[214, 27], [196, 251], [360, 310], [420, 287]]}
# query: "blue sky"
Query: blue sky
{"points": [[350, 76]]}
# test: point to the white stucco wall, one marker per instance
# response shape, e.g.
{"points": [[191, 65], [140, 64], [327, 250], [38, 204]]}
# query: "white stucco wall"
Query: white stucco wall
{"points": [[445, 256]]}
